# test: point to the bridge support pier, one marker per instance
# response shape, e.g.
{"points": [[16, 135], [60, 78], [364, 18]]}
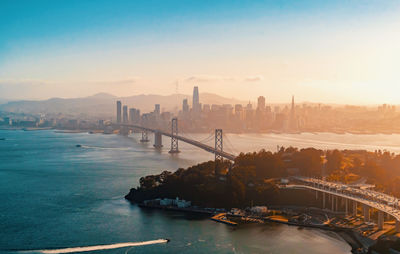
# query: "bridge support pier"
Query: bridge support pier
{"points": [[337, 203], [157, 140], [346, 205], [355, 208], [397, 226], [145, 138], [124, 131], [323, 200], [333, 203], [380, 220], [366, 213]]}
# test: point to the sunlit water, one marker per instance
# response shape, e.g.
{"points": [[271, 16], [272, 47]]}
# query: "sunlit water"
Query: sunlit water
{"points": [[57, 195]]}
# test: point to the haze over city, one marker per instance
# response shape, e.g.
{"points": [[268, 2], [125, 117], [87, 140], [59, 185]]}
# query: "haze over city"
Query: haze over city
{"points": [[199, 126], [321, 51]]}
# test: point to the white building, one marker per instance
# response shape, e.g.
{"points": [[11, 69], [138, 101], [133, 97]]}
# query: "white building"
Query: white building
{"points": [[259, 209]]}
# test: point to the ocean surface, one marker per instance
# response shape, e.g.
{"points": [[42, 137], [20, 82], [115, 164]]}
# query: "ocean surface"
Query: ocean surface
{"points": [[54, 194]]}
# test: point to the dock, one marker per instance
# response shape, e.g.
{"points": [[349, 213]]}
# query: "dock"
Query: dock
{"points": [[221, 217]]}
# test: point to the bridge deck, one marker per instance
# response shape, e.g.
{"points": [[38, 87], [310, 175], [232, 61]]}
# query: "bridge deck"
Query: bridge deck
{"points": [[205, 147], [352, 194]]}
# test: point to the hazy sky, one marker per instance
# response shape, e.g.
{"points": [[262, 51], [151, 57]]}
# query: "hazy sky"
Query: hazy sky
{"points": [[320, 51]]}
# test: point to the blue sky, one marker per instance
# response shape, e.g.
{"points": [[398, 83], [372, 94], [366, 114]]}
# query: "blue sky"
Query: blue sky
{"points": [[234, 48]]}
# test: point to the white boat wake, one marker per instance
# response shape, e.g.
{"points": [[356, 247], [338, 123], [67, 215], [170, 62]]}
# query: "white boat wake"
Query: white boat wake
{"points": [[102, 247]]}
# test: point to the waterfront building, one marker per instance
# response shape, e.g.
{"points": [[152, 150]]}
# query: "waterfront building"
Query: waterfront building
{"points": [[259, 210], [174, 202], [7, 121], [166, 202], [100, 124], [183, 203], [119, 105]]}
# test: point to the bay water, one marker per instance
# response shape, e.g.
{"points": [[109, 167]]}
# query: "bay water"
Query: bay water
{"points": [[54, 194]]}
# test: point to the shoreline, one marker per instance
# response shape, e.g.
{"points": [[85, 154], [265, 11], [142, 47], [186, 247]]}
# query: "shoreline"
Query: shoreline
{"points": [[348, 235], [277, 132]]}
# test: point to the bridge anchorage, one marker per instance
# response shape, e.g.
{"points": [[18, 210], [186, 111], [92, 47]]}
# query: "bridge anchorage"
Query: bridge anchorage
{"points": [[145, 138], [174, 136], [157, 140]]}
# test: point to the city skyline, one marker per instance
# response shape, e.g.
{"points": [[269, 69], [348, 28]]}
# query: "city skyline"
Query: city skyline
{"points": [[329, 52], [212, 126]]}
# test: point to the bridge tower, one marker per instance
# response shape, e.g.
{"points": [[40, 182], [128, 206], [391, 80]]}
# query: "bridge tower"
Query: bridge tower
{"points": [[145, 138], [218, 144], [174, 133], [218, 147]]}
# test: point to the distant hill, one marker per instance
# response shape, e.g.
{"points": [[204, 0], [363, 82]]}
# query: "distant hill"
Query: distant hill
{"points": [[103, 104]]}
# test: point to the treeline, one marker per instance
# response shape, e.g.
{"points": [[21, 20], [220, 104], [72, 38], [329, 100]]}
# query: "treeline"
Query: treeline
{"points": [[252, 178]]}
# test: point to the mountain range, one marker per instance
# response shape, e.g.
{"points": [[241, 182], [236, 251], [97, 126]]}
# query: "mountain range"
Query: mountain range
{"points": [[103, 104]]}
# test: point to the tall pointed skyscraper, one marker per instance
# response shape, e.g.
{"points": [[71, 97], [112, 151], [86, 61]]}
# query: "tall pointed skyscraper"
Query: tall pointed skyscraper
{"points": [[196, 100], [293, 121], [292, 104]]}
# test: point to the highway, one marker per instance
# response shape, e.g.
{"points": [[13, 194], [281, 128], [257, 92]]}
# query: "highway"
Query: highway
{"points": [[380, 201]]}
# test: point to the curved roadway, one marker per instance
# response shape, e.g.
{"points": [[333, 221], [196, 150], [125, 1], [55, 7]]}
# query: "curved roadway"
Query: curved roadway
{"points": [[380, 201]]}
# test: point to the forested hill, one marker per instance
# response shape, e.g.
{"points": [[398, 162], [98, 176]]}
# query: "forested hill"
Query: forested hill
{"points": [[253, 176]]}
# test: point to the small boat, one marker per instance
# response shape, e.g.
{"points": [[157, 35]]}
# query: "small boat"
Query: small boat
{"points": [[78, 145]]}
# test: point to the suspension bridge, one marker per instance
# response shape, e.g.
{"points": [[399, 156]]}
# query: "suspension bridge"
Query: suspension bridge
{"points": [[217, 150]]}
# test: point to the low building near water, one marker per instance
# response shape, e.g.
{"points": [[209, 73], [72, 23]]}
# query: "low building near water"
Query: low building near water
{"points": [[259, 210], [237, 212], [180, 203]]}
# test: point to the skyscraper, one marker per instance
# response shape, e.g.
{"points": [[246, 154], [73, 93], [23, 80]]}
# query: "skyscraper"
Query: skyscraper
{"points": [[132, 115], [125, 114], [185, 106], [261, 103], [119, 111], [196, 100], [292, 120], [292, 104], [157, 109]]}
